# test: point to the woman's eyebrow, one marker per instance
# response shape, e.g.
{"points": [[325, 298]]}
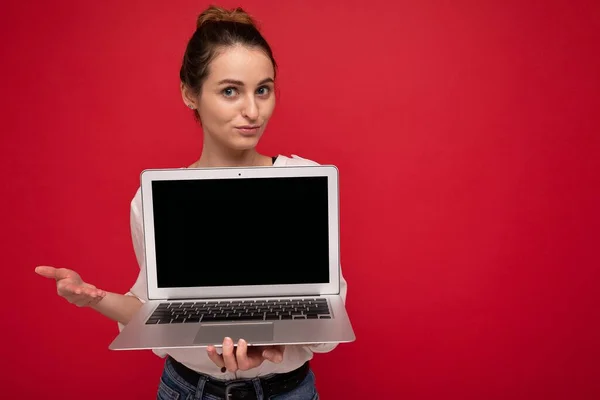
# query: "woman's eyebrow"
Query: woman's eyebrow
{"points": [[240, 83]]}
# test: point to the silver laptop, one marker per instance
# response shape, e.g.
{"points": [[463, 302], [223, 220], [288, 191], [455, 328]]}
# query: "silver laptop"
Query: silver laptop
{"points": [[248, 253]]}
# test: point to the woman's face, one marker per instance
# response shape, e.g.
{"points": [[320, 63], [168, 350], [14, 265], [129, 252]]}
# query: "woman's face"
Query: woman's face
{"points": [[237, 98]]}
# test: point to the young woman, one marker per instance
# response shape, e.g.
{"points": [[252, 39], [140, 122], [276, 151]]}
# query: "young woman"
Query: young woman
{"points": [[227, 78]]}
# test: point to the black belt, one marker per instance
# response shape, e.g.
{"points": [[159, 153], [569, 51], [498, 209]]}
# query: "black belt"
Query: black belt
{"points": [[244, 389]]}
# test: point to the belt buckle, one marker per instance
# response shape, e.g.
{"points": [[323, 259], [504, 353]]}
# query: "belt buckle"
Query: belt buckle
{"points": [[232, 385]]}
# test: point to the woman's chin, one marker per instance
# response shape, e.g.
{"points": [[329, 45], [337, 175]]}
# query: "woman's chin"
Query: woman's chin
{"points": [[244, 142]]}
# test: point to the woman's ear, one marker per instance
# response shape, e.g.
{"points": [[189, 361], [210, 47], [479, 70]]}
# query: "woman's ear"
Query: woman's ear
{"points": [[188, 97]]}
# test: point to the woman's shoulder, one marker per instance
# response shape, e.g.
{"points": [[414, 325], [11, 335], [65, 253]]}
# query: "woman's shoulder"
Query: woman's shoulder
{"points": [[294, 160], [136, 202]]}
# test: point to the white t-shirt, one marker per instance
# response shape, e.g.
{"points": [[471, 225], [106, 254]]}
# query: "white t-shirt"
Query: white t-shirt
{"points": [[196, 358]]}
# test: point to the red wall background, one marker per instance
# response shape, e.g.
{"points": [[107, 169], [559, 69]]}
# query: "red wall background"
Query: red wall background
{"points": [[467, 137]]}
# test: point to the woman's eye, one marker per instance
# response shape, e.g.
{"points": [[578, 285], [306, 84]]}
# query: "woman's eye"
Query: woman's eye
{"points": [[229, 92], [262, 91]]}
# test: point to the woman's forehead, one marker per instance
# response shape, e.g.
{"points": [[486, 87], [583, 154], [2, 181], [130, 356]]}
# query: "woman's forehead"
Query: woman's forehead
{"points": [[249, 65]]}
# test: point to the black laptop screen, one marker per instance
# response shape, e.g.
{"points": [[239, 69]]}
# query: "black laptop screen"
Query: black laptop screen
{"points": [[230, 232]]}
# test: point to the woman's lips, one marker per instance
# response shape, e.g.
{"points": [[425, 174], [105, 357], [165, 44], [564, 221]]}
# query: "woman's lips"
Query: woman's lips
{"points": [[248, 129]]}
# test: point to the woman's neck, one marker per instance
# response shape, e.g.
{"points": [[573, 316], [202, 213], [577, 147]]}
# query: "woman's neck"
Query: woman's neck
{"points": [[210, 158]]}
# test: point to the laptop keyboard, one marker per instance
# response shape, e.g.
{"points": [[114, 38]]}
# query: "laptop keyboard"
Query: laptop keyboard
{"points": [[247, 310]]}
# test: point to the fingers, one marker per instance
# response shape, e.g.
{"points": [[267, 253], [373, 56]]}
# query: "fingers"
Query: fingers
{"points": [[79, 295], [55, 273], [70, 286], [273, 354], [66, 287], [243, 357], [63, 273], [47, 272], [243, 361], [229, 355], [215, 357]]}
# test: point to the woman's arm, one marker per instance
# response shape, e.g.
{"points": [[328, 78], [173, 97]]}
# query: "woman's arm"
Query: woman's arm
{"points": [[118, 307], [72, 288]]}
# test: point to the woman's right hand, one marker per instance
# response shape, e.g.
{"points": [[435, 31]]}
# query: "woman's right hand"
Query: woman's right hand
{"points": [[70, 286]]}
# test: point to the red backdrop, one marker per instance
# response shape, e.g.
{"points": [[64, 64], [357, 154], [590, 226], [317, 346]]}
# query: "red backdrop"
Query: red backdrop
{"points": [[467, 137]]}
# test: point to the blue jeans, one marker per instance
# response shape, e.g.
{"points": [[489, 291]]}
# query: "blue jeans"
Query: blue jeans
{"points": [[173, 387]]}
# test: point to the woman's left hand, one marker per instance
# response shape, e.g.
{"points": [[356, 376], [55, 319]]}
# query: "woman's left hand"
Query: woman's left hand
{"points": [[244, 357]]}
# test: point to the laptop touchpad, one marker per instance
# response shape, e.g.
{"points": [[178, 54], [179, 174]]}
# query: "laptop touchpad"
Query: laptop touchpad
{"points": [[251, 333]]}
